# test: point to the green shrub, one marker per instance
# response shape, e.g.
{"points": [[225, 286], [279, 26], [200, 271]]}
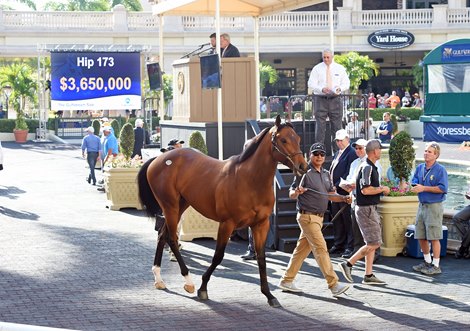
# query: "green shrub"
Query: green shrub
{"points": [[96, 127], [402, 113], [7, 125], [197, 141], [116, 127], [402, 155], [126, 140]]}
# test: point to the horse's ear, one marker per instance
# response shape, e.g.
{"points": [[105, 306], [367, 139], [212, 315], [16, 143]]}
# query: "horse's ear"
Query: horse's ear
{"points": [[278, 121]]}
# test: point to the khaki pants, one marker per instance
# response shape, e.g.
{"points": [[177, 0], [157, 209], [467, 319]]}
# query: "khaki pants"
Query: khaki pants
{"points": [[311, 240]]}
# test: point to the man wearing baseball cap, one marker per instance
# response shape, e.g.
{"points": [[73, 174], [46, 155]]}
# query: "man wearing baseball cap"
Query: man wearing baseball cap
{"points": [[176, 143], [339, 170], [368, 191], [312, 193], [91, 145]]}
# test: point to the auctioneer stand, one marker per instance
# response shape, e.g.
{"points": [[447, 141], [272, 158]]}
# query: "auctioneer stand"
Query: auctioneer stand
{"points": [[194, 104]]}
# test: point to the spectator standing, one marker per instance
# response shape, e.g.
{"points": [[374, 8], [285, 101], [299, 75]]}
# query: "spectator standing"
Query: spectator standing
{"points": [[372, 101], [461, 220], [312, 193], [141, 138], [339, 170], [91, 146], [381, 102], [406, 100], [368, 191], [328, 80], [227, 49], [393, 100], [417, 101], [385, 129], [430, 182], [353, 128]]}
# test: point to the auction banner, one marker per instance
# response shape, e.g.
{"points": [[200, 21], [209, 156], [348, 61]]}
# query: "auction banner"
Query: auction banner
{"points": [[446, 132], [95, 81]]}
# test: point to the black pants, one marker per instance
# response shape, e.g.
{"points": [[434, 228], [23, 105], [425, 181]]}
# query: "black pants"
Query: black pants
{"points": [[342, 226]]}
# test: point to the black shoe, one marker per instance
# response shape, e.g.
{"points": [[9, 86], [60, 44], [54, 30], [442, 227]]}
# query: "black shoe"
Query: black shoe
{"points": [[461, 253], [101, 181], [101, 189], [347, 253], [88, 179], [335, 250], [249, 256]]}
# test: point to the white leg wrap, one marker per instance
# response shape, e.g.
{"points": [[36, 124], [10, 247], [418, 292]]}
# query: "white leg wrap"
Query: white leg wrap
{"points": [[159, 284]]}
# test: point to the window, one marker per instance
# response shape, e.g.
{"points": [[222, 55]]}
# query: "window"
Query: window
{"points": [[285, 85], [421, 4]]}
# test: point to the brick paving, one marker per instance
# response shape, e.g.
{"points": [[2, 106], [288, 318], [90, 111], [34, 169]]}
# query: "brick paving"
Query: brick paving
{"points": [[68, 262]]}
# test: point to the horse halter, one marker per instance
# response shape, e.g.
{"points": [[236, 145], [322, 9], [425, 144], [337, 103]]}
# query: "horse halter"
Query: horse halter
{"points": [[276, 148]]}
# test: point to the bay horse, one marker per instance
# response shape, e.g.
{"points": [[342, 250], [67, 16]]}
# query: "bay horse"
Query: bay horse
{"points": [[237, 192]]}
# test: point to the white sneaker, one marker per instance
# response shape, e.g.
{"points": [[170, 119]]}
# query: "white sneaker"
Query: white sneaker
{"points": [[289, 287], [339, 289]]}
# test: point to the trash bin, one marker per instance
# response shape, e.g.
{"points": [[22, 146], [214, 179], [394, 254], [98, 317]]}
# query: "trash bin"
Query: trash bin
{"points": [[412, 247]]}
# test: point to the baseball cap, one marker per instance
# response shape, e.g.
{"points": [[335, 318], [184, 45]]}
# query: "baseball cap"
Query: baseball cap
{"points": [[372, 145], [175, 141], [90, 129], [341, 134], [317, 147], [354, 114], [360, 142], [107, 128], [169, 148]]}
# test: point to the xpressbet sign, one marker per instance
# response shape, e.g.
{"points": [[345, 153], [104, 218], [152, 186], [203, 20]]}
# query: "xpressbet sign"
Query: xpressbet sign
{"points": [[391, 39]]}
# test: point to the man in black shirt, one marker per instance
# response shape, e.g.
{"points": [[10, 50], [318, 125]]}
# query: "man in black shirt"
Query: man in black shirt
{"points": [[368, 192]]}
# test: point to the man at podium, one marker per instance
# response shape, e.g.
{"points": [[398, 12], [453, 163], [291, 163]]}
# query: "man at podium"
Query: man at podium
{"points": [[227, 49]]}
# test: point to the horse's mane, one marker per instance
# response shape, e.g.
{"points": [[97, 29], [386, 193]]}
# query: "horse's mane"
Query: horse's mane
{"points": [[254, 144]]}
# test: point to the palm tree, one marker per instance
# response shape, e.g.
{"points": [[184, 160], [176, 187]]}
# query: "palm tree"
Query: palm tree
{"points": [[267, 74], [19, 76], [358, 67]]}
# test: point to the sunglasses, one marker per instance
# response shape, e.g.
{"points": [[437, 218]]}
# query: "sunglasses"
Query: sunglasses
{"points": [[322, 154]]}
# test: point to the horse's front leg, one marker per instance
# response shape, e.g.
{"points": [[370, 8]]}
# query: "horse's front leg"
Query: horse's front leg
{"points": [[225, 230], [260, 232], [157, 262]]}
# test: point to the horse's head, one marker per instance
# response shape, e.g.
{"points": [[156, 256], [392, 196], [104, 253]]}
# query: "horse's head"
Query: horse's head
{"points": [[286, 144]]}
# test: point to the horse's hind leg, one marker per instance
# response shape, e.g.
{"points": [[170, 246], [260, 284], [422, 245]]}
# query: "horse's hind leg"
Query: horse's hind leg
{"points": [[225, 230], [157, 262], [260, 232]]}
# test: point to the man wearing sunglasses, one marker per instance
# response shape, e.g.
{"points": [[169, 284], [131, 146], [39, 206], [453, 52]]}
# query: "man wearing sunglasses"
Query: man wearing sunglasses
{"points": [[312, 193]]}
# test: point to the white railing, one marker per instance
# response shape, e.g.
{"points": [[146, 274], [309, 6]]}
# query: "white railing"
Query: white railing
{"points": [[58, 20], [458, 16], [395, 18], [142, 21], [297, 20], [195, 23]]}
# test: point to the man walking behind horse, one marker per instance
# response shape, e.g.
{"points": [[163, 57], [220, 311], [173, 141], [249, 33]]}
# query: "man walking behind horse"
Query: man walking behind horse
{"points": [[312, 192]]}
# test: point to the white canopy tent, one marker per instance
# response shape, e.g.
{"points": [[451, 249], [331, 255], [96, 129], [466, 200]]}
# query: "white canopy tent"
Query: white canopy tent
{"points": [[232, 8]]}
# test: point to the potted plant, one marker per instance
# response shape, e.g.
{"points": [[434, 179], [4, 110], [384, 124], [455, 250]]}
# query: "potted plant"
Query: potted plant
{"points": [[121, 173], [18, 78], [193, 224], [398, 210]]}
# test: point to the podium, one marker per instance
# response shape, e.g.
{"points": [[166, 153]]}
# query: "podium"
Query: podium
{"points": [[194, 104]]}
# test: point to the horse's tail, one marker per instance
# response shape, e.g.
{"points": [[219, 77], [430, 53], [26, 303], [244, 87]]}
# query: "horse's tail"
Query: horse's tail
{"points": [[145, 192]]}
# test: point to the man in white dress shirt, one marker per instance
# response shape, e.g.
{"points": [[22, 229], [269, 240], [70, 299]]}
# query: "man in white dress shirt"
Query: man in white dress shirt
{"points": [[328, 80]]}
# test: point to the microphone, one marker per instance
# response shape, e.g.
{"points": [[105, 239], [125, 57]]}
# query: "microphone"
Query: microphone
{"points": [[204, 45]]}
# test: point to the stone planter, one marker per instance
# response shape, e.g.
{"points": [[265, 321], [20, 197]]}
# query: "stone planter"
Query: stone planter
{"points": [[194, 225], [121, 188], [396, 214]]}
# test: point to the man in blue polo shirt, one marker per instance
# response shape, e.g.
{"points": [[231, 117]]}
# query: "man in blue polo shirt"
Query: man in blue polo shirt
{"points": [[430, 182], [91, 145]]}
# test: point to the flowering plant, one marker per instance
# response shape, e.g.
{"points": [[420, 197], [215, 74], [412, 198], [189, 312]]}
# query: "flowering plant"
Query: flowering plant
{"points": [[395, 190], [120, 161]]}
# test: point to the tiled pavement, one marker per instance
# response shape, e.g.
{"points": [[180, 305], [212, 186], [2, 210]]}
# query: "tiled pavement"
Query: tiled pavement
{"points": [[68, 262]]}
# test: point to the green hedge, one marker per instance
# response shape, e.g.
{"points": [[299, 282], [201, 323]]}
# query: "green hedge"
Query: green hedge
{"points": [[7, 125], [401, 113]]}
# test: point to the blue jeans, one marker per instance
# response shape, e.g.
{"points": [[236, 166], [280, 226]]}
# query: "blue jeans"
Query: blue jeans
{"points": [[91, 159]]}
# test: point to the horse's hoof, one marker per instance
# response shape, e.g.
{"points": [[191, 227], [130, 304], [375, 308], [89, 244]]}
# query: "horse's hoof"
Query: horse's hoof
{"points": [[274, 303], [202, 295], [189, 288], [160, 285]]}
